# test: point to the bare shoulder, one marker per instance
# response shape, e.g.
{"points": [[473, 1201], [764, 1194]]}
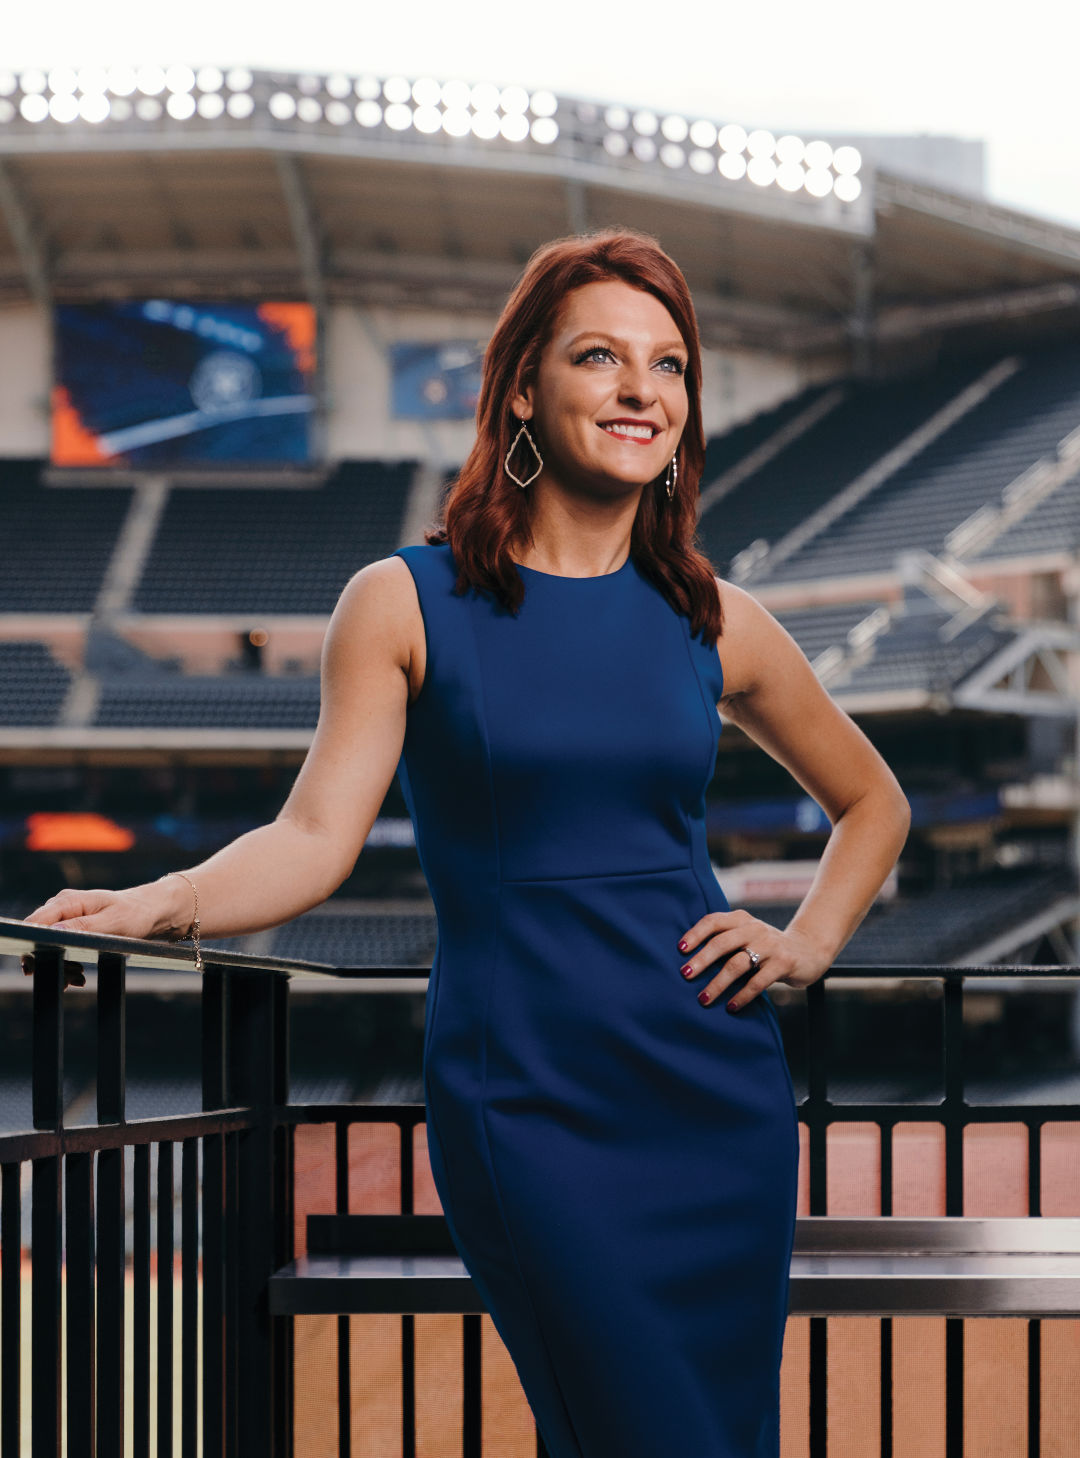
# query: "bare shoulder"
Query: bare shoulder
{"points": [[378, 604], [751, 640]]}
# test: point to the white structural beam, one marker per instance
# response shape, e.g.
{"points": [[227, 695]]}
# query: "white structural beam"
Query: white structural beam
{"points": [[27, 243]]}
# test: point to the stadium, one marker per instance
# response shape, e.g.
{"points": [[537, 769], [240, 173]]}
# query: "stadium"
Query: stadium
{"points": [[242, 316]]}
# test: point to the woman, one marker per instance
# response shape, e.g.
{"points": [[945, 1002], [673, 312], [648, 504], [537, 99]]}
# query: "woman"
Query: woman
{"points": [[616, 1156]]}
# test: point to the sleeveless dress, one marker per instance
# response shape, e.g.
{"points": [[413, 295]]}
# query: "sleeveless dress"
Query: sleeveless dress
{"points": [[616, 1163]]}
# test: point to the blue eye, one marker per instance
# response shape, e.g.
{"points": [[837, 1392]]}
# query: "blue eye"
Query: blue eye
{"points": [[588, 353], [673, 359]]}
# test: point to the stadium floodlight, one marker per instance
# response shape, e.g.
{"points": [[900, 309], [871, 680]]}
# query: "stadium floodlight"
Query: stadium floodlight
{"points": [[732, 138], [847, 188], [34, 108], [368, 113], [761, 143], [310, 110], [644, 149], [790, 149], [338, 86], [819, 181], [616, 145], [282, 106], [337, 113], [617, 118], [485, 125], [63, 108], [94, 107], [7, 110], [150, 80], [398, 116], [818, 155], [457, 121], [180, 105], [672, 155], [703, 134], [180, 78], [484, 96], [426, 92], [238, 79], [514, 126], [543, 103], [456, 95], [122, 80], [514, 100], [308, 84], [427, 119], [62, 80], [209, 78], [731, 165], [148, 108], [790, 176], [120, 108], [210, 105], [8, 83], [847, 161], [367, 88], [33, 82], [645, 123], [544, 130], [761, 170], [93, 81], [701, 162], [675, 128], [397, 90], [240, 105]]}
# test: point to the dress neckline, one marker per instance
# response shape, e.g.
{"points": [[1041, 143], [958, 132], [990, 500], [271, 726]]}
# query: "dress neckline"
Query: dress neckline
{"points": [[560, 577]]}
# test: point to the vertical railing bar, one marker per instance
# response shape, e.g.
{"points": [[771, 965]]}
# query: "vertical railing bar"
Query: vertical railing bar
{"points": [[45, 1216], [213, 1008], [79, 1191], [280, 1329], [471, 1417], [885, 1326], [10, 1310], [344, 1346], [111, 1214], [232, 1247], [189, 1298], [140, 1376], [166, 1273], [1034, 1326], [408, 1322], [819, 1376], [953, 1109], [817, 1110]]}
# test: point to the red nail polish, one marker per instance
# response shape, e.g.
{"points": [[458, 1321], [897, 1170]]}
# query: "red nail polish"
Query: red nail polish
{"points": [[686, 970], [731, 1007], [703, 997], [682, 946]]}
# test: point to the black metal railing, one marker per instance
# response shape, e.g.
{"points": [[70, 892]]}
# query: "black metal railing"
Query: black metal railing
{"points": [[237, 1189]]}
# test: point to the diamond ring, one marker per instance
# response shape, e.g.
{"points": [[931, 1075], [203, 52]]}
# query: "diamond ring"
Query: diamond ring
{"points": [[755, 960]]}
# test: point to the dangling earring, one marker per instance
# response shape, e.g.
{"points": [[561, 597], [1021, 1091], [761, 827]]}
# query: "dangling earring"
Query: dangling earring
{"points": [[524, 431], [672, 475]]}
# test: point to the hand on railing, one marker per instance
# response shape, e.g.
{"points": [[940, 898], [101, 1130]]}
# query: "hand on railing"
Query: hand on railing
{"points": [[128, 913]]}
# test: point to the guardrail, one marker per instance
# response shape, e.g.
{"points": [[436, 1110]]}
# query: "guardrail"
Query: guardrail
{"points": [[242, 1286]]}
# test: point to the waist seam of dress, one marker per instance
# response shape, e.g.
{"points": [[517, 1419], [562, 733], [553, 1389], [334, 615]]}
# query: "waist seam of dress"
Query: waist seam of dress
{"points": [[484, 1058], [593, 876]]}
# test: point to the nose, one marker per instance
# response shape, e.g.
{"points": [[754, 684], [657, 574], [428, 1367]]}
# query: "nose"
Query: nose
{"points": [[636, 384]]}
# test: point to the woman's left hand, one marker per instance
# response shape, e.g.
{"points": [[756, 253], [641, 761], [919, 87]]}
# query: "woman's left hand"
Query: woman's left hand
{"points": [[727, 937]]}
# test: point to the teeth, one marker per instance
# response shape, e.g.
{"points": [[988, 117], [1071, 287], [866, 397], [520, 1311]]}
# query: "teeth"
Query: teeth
{"points": [[638, 432]]}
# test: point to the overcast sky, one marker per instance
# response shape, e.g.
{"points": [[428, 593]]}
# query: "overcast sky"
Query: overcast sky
{"points": [[1004, 73]]}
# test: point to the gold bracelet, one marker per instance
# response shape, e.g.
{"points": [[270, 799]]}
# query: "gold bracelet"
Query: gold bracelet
{"points": [[193, 929]]}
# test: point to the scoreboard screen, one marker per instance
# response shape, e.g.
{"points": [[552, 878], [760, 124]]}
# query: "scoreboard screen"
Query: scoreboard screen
{"points": [[166, 382]]}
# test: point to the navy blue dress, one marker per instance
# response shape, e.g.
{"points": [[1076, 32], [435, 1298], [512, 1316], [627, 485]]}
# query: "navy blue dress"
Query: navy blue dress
{"points": [[617, 1164]]}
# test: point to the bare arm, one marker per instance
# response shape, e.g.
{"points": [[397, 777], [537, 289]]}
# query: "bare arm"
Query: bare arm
{"points": [[273, 873], [773, 695]]}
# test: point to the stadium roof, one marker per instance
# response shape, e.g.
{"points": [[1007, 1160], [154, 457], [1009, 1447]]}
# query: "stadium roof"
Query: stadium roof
{"points": [[327, 187]]}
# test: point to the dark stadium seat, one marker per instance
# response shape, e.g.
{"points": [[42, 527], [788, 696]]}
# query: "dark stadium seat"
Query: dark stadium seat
{"points": [[829, 456], [398, 939], [915, 652], [818, 628], [238, 701], [32, 685], [964, 469], [1051, 526], [265, 550], [727, 450], [56, 540]]}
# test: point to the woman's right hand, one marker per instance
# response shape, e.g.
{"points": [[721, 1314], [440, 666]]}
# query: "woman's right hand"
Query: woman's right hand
{"points": [[134, 912]]}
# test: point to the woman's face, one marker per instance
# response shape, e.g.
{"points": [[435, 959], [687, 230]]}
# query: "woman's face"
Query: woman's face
{"points": [[608, 400]]}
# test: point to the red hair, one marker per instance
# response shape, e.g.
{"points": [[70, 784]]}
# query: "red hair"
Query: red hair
{"points": [[484, 512]]}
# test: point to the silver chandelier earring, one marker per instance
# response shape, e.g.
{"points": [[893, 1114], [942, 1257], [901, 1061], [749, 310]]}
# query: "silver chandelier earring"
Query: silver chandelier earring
{"points": [[672, 476], [524, 431]]}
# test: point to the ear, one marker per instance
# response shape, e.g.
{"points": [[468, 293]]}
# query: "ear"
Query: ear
{"points": [[521, 402]]}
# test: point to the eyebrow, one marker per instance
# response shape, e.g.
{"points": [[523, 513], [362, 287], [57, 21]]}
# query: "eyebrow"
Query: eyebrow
{"points": [[614, 339]]}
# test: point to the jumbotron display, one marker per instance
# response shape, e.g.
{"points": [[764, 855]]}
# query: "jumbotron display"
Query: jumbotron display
{"points": [[165, 383]]}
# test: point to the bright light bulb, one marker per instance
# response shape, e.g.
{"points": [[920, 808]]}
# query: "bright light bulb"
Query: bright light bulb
{"points": [[398, 116], [368, 113], [818, 154], [62, 80], [818, 182], [148, 108], [701, 162], [281, 106], [34, 108], [426, 92], [790, 149], [672, 155], [485, 124], [456, 95], [94, 107], [731, 165], [122, 80], [847, 160], [8, 83], [457, 121], [703, 134], [238, 79], [615, 144], [180, 78], [761, 143], [209, 78], [790, 176], [180, 105], [645, 123], [645, 149], [397, 90], [544, 129], [675, 128], [427, 119], [514, 99], [211, 105], [367, 88], [484, 97], [151, 80], [514, 126], [847, 188], [120, 108], [732, 138], [309, 110], [617, 118], [64, 108], [338, 86], [33, 83], [543, 103], [761, 170], [240, 106], [337, 113]]}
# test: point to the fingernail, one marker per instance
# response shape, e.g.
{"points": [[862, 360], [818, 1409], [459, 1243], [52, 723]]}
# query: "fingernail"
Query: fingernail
{"points": [[686, 970], [733, 1007], [703, 997], [682, 946]]}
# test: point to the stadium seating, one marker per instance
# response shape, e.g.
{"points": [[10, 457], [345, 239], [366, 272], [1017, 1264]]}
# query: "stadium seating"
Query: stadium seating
{"points": [[237, 701], [965, 468], [267, 550], [32, 684], [812, 469], [915, 653], [394, 939], [1051, 526], [57, 540], [727, 450]]}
